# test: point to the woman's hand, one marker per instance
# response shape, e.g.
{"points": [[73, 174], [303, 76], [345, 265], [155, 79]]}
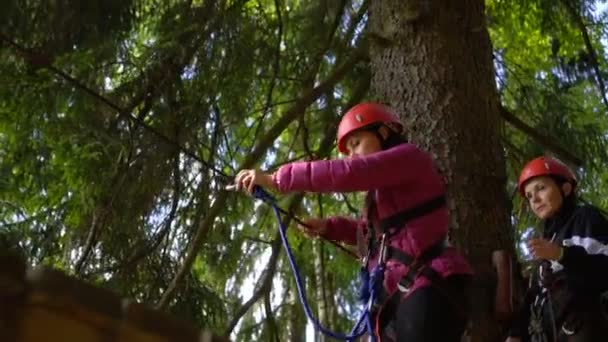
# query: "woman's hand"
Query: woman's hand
{"points": [[545, 249], [314, 227], [248, 178]]}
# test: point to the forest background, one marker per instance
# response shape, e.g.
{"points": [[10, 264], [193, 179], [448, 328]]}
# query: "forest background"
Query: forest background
{"points": [[121, 121]]}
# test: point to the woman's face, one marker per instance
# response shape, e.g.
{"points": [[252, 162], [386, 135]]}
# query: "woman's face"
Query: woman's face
{"points": [[544, 196], [361, 143]]}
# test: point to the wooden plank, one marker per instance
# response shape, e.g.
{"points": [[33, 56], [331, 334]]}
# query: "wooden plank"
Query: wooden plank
{"points": [[47, 305]]}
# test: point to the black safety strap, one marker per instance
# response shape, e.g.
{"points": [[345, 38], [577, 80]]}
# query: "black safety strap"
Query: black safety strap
{"points": [[399, 219], [417, 266], [420, 267]]}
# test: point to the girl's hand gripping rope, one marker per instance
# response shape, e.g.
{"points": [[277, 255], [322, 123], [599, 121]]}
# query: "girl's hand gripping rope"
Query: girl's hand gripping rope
{"points": [[247, 179]]}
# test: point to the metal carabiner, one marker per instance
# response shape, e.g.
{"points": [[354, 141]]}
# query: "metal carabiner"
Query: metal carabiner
{"points": [[382, 253]]}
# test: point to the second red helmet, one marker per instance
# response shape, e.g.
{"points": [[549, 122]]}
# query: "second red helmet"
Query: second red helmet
{"points": [[544, 166]]}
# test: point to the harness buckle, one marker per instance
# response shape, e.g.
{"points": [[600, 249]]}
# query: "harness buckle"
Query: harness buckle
{"points": [[365, 260], [568, 332], [407, 281], [403, 288]]}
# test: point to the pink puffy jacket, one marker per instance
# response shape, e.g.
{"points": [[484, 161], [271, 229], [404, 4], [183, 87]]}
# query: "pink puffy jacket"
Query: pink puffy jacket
{"points": [[401, 177]]}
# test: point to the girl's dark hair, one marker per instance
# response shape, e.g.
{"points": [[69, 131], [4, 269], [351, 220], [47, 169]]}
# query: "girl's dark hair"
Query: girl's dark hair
{"points": [[559, 181], [392, 140]]}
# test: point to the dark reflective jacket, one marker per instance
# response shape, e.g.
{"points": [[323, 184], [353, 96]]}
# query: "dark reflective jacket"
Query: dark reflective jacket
{"points": [[564, 295]]}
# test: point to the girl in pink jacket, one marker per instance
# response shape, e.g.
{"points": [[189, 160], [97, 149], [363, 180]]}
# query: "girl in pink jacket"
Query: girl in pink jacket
{"points": [[405, 223]]}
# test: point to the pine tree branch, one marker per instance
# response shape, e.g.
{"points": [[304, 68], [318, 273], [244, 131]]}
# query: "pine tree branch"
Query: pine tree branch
{"points": [[273, 328], [298, 109], [276, 67], [578, 20], [355, 20], [32, 58], [268, 274], [162, 234], [91, 239], [544, 140], [100, 215], [264, 287], [325, 148]]}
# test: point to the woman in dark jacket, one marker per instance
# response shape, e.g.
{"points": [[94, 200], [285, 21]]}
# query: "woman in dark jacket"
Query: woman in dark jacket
{"points": [[563, 300]]}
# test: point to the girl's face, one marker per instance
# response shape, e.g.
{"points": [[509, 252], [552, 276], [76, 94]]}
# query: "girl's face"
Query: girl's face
{"points": [[544, 196], [361, 143]]}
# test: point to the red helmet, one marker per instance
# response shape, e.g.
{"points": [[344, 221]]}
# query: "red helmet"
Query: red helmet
{"points": [[544, 166], [361, 115]]}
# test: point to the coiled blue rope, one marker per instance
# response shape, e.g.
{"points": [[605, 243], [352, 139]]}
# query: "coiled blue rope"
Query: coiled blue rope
{"points": [[371, 283]]}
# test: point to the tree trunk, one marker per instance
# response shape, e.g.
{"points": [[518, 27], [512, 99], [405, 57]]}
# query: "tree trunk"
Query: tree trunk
{"points": [[432, 63]]}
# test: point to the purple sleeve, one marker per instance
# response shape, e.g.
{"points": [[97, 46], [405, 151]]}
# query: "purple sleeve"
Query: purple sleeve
{"points": [[342, 229], [399, 165]]}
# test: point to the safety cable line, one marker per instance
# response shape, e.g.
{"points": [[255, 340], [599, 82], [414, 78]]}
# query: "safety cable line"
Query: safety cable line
{"points": [[45, 63], [42, 62]]}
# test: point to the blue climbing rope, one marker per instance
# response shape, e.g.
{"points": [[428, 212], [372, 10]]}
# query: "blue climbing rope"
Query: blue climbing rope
{"points": [[372, 283]]}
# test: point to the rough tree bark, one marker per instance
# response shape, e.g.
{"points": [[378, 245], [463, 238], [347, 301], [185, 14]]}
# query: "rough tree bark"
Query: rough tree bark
{"points": [[432, 63]]}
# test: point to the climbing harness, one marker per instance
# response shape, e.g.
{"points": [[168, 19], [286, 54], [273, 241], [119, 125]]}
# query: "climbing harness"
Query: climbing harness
{"points": [[373, 282], [536, 327], [417, 266]]}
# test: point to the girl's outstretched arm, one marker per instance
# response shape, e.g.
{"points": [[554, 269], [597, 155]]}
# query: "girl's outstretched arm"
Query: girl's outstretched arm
{"points": [[402, 164]]}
